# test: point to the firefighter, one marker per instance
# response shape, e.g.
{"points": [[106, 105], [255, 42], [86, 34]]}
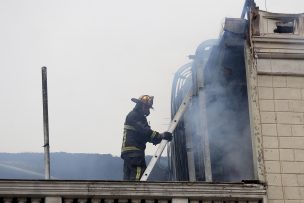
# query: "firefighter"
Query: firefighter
{"points": [[137, 133]]}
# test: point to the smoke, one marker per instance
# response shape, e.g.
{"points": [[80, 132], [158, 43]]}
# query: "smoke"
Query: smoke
{"points": [[227, 113], [229, 131], [220, 110]]}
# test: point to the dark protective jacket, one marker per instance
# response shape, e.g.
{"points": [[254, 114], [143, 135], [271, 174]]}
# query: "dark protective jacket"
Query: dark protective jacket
{"points": [[137, 133]]}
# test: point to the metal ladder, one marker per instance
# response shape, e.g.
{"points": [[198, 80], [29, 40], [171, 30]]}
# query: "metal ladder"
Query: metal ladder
{"points": [[181, 110]]}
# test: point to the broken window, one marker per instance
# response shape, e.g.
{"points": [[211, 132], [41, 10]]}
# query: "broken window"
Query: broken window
{"points": [[285, 27]]}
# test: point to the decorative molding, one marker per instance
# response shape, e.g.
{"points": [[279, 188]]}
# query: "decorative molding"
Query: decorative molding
{"points": [[278, 47]]}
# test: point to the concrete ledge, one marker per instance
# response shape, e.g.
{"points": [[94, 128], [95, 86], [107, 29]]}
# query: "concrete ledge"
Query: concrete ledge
{"points": [[122, 189]]}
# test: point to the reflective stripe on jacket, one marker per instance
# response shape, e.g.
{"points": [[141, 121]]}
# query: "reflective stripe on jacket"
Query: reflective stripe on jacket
{"points": [[137, 133]]}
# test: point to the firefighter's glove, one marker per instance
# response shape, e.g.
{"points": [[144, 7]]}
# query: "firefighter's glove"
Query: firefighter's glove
{"points": [[166, 136]]}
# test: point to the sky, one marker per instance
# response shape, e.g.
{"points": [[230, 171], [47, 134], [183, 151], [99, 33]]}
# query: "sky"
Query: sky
{"points": [[99, 54]]}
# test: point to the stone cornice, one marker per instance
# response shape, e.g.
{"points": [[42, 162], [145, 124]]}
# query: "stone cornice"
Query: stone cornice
{"points": [[274, 47]]}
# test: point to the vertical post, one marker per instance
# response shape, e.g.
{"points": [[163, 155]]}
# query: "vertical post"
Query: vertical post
{"points": [[205, 137], [45, 124], [189, 147], [198, 85]]}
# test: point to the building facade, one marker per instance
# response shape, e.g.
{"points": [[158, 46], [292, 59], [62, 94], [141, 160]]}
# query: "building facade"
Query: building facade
{"points": [[275, 76]]}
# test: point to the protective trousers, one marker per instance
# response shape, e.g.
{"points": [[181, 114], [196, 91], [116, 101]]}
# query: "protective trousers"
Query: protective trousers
{"points": [[134, 167]]}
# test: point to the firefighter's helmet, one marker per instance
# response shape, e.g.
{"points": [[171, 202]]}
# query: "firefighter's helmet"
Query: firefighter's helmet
{"points": [[144, 99]]}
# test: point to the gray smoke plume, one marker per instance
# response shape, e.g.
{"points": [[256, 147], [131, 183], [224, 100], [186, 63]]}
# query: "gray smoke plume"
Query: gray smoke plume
{"points": [[225, 118]]}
